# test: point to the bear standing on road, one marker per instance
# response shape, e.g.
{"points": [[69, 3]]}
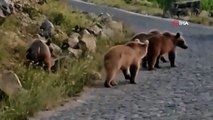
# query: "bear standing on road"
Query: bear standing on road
{"points": [[161, 44], [146, 36], [125, 57]]}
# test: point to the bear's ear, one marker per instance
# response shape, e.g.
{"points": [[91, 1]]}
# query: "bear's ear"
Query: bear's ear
{"points": [[146, 42], [137, 40], [178, 35]]}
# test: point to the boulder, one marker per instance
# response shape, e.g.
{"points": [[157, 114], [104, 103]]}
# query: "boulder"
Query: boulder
{"points": [[75, 52], [2, 17], [57, 51], [87, 41], [46, 28], [25, 19], [2, 14], [7, 7], [116, 26], [104, 18], [204, 13], [107, 32], [41, 2], [96, 29], [10, 83], [73, 40], [18, 6]]}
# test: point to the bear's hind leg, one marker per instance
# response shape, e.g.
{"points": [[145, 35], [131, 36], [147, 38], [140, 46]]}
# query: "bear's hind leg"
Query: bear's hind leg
{"points": [[126, 74], [157, 62], [151, 62], [172, 58], [109, 78], [133, 71]]}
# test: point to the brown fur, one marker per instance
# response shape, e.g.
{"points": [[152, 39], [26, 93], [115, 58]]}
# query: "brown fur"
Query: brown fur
{"points": [[145, 36], [39, 52], [161, 44], [125, 57]]}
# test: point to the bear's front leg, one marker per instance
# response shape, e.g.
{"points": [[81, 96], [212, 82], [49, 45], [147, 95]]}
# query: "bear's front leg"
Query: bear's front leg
{"points": [[113, 83], [157, 62], [133, 71], [151, 62], [126, 75], [144, 62], [172, 58]]}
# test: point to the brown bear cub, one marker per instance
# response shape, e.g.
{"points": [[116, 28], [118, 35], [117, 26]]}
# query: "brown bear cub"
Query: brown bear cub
{"points": [[161, 44], [39, 52], [125, 57]]}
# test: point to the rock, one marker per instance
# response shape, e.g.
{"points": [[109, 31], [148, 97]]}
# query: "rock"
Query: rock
{"points": [[46, 29], [41, 2], [56, 49], [116, 26], [107, 32], [2, 14], [87, 41], [204, 14], [10, 83], [73, 40], [92, 15], [96, 29], [18, 6], [75, 52], [25, 19], [2, 17], [104, 18], [7, 7]]}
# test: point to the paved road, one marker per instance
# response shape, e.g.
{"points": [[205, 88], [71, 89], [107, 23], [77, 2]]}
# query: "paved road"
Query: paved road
{"points": [[182, 93]]}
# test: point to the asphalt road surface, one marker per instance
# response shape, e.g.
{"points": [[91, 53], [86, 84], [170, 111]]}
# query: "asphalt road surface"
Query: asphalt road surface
{"points": [[181, 93]]}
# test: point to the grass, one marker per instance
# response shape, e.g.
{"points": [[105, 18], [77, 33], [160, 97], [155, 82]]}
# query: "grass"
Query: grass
{"points": [[60, 15], [45, 91], [155, 7], [207, 4]]}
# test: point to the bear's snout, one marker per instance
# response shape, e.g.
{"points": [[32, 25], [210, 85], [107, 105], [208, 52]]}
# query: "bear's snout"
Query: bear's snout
{"points": [[184, 46]]}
